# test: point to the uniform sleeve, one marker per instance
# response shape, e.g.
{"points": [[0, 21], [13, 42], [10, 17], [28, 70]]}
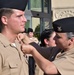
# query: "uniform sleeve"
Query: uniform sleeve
{"points": [[65, 65], [0, 64], [45, 52]]}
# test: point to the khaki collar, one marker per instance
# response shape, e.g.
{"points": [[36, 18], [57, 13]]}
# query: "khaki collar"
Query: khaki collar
{"points": [[4, 40]]}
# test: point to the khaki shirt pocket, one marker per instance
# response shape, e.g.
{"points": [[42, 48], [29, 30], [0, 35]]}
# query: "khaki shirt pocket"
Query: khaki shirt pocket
{"points": [[13, 68]]}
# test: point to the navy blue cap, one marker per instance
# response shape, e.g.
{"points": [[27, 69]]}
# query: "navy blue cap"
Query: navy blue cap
{"points": [[14, 4], [64, 25]]}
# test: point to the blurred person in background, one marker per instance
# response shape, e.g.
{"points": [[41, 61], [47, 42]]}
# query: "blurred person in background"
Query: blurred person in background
{"points": [[47, 38], [31, 35]]}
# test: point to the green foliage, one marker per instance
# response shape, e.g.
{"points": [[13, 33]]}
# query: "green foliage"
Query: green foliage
{"points": [[37, 32]]}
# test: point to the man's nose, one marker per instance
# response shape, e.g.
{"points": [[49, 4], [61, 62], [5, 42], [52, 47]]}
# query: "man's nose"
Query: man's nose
{"points": [[25, 19]]}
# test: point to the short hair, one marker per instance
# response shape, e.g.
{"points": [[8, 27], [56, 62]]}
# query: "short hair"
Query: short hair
{"points": [[70, 35], [4, 12], [46, 34]]}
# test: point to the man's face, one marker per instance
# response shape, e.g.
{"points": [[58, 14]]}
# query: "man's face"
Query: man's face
{"points": [[61, 40], [16, 22]]}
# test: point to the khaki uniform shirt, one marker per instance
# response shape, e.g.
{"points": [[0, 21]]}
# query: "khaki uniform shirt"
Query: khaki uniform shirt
{"points": [[12, 61], [65, 62]]}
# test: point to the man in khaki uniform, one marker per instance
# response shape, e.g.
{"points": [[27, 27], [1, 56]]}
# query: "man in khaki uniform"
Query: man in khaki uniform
{"points": [[64, 62], [12, 21]]}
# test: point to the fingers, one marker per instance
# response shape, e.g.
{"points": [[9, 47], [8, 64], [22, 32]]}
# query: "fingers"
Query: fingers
{"points": [[26, 49], [20, 37], [23, 48], [26, 40]]}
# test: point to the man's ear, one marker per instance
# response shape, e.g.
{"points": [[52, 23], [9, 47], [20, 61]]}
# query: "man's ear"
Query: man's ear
{"points": [[71, 40], [4, 19]]}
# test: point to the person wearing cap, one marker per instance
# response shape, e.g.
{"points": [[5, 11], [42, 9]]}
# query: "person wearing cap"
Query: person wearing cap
{"points": [[12, 22], [63, 63], [31, 35]]}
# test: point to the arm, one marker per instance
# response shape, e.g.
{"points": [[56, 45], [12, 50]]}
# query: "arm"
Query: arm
{"points": [[45, 52], [47, 66]]}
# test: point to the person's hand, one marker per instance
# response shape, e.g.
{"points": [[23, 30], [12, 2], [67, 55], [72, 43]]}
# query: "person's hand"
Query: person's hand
{"points": [[22, 37], [27, 49]]}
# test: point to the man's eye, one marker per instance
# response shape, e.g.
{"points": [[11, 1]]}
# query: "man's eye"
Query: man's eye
{"points": [[58, 37], [19, 15]]}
